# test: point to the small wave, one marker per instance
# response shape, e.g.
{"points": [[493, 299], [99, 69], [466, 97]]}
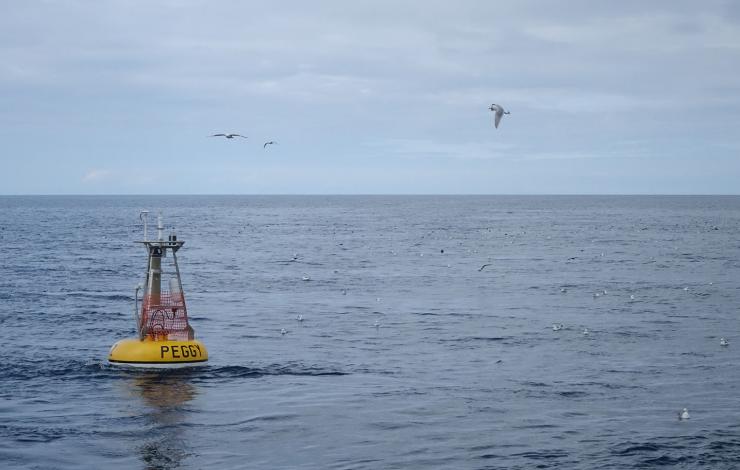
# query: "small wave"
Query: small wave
{"points": [[475, 338], [666, 460], [536, 426], [536, 384], [615, 386], [236, 372], [543, 455], [91, 295], [632, 449], [573, 394], [25, 369], [31, 434]]}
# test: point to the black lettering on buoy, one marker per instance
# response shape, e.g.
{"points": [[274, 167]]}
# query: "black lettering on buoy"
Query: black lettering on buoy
{"points": [[185, 351], [193, 351], [174, 352], [200, 354], [162, 350]]}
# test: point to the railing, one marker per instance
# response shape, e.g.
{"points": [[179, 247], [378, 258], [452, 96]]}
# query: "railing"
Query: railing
{"points": [[164, 316]]}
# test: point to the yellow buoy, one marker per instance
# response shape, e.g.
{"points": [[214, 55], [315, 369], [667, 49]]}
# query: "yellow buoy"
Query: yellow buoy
{"points": [[152, 353], [166, 339]]}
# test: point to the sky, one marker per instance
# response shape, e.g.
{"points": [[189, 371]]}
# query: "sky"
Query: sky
{"points": [[370, 97]]}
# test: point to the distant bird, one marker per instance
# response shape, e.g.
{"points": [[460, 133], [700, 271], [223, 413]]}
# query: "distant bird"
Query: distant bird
{"points": [[686, 289], [306, 278], [283, 331], [376, 324], [229, 136], [483, 267], [632, 297], [585, 332], [723, 342], [683, 414], [499, 111], [299, 318], [563, 290], [557, 326], [269, 143]]}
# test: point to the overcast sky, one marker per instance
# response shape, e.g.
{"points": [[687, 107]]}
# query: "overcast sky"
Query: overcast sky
{"points": [[103, 97]]}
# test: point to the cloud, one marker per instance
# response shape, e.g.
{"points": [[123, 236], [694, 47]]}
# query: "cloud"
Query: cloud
{"points": [[350, 81], [426, 148], [95, 175]]}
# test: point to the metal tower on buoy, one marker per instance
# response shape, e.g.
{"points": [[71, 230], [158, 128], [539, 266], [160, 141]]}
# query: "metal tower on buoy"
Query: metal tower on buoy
{"points": [[165, 337]]}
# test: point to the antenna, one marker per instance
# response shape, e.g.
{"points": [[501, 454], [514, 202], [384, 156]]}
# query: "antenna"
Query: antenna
{"points": [[143, 216], [160, 227]]}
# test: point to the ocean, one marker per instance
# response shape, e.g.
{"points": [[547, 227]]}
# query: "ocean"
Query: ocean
{"points": [[411, 354]]}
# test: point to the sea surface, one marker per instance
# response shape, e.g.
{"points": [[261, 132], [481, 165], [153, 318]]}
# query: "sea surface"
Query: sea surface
{"points": [[409, 355]]}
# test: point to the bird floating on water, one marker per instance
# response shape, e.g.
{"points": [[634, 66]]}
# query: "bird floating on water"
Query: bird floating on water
{"points": [[723, 342], [498, 112], [306, 278], [229, 136], [376, 324], [269, 143], [557, 326], [283, 331], [683, 414], [585, 332], [563, 290], [299, 318], [632, 297]]}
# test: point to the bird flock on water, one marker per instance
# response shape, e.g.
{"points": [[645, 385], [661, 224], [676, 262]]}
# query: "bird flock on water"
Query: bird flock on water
{"points": [[498, 113], [556, 327]]}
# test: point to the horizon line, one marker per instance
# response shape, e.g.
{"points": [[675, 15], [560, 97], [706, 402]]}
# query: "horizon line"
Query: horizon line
{"points": [[366, 194]]}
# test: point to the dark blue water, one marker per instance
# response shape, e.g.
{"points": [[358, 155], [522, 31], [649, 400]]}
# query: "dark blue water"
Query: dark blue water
{"points": [[464, 370]]}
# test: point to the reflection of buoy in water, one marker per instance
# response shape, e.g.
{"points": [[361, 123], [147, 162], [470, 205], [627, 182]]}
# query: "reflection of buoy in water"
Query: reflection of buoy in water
{"points": [[166, 339]]}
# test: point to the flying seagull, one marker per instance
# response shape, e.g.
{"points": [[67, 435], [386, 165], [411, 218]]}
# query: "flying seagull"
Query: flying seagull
{"points": [[269, 143], [484, 266], [499, 112], [229, 136]]}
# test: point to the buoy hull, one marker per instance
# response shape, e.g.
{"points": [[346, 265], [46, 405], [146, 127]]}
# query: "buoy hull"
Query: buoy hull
{"points": [[148, 353]]}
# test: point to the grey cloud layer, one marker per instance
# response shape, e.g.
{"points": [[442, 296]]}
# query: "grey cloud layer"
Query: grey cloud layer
{"points": [[599, 80]]}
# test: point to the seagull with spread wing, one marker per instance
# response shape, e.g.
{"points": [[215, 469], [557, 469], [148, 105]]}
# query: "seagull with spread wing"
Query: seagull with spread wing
{"points": [[499, 111], [229, 136], [269, 143]]}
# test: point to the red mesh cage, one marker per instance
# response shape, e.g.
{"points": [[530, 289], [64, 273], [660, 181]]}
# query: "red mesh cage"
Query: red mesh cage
{"points": [[164, 316]]}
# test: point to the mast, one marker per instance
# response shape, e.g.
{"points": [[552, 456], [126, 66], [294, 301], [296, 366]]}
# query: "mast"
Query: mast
{"points": [[163, 311]]}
